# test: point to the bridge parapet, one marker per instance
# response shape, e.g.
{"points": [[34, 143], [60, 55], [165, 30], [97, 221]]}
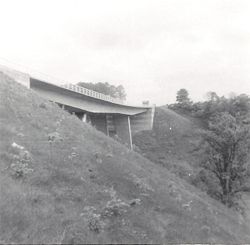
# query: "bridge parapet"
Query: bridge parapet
{"points": [[92, 93]]}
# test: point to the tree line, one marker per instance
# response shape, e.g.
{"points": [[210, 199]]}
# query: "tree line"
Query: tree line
{"points": [[225, 142], [105, 88]]}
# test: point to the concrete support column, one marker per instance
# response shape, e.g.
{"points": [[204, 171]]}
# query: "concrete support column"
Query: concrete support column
{"points": [[130, 133], [84, 117], [123, 129]]}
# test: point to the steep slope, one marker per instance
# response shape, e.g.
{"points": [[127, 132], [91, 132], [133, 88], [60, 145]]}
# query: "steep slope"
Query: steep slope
{"points": [[61, 181], [173, 142]]}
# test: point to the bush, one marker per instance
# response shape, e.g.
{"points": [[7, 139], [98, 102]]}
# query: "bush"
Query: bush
{"points": [[21, 160]]}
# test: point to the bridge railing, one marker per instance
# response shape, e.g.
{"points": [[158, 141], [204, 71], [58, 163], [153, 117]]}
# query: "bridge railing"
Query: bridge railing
{"points": [[91, 93]]}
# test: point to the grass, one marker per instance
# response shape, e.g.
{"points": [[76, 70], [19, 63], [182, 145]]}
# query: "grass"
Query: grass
{"points": [[84, 185], [173, 143]]}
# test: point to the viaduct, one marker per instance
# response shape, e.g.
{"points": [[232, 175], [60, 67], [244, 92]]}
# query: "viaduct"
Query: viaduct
{"points": [[105, 113]]}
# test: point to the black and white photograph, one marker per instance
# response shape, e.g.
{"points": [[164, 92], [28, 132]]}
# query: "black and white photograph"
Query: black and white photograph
{"points": [[124, 122]]}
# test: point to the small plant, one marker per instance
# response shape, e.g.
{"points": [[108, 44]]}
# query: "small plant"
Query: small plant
{"points": [[141, 183], [98, 157], [93, 219], [94, 223], [43, 105], [114, 207], [20, 161], [135, 202], [53, 138]]}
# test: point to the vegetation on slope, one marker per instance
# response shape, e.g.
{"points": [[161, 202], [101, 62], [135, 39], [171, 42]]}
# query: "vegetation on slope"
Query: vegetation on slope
{"points": [[61, 181], [225, 143], [218, 162], [173, 143]]}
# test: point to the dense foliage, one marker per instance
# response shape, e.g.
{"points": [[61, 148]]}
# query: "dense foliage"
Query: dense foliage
{"points": [[226, 142], [106, 88]]}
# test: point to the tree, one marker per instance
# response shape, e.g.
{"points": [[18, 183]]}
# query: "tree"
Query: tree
{"points": [[240, 105], [237, 106], [212, 96], [182, 96], [227, 142], [183, 101], [106, 88]]}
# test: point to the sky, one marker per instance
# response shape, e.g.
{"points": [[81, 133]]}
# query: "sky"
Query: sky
{"points": [[152, 47]]}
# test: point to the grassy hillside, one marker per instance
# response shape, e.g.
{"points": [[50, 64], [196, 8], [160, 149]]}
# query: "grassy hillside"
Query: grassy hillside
{"points": [[83, 187], [173, 142]]}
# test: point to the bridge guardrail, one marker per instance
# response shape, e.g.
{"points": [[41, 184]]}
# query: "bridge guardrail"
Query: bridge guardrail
{"points": [[91, 93]]}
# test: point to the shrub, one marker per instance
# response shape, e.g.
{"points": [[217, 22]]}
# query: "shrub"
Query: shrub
{"points": [[93, 219], [21, 160]]}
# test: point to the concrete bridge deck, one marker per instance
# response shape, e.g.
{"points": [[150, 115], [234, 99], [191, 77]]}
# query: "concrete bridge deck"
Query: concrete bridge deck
{"points": [[109, 115]]}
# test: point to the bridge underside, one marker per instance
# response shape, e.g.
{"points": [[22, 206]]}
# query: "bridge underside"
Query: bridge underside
{"points": [[118, 126], [114, 119]]}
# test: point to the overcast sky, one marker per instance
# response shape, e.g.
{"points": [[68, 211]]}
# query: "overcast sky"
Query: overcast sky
{"points": [[152, 47]]}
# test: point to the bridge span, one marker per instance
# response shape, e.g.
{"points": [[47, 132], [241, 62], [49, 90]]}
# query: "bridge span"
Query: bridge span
{"points": [[107, 114]]}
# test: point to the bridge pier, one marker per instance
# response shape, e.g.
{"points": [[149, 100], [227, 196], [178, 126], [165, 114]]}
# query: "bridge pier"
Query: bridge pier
{"points": [[84, 117], [113, 125], [123, 129], [117, 126]]}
